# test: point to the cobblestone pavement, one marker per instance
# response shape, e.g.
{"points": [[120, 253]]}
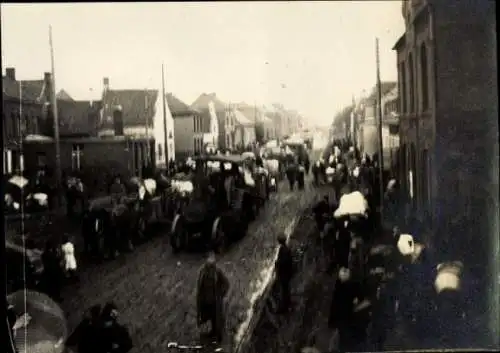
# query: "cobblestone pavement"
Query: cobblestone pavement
{"points": [[155, 289]]}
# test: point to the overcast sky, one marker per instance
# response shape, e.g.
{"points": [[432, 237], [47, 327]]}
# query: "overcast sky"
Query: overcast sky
{"points": [[309, 56]]}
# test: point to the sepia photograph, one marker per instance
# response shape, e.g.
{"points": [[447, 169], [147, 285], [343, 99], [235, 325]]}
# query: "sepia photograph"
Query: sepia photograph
{"points": [[250, 176]]}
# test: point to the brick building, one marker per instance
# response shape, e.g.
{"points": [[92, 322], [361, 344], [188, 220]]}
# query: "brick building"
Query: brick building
{"points": [[25, 114], [447, 73]]}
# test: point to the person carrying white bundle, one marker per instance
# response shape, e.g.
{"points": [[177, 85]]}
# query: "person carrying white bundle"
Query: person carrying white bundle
{"points": [[352, 204]]}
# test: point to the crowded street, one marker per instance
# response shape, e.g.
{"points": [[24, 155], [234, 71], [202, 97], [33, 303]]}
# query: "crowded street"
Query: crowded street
{"points": [[155, 289]]}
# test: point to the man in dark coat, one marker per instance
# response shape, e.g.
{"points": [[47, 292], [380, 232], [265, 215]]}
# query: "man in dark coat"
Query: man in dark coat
{"points": [[52, 273], [212, 287], [284, 272], [345, 296], [86, 335], [113, 336]]}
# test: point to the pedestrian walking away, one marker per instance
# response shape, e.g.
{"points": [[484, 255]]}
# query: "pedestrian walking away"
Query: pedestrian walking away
{"points": [[212, 288], [284, 273], [113, 336]]}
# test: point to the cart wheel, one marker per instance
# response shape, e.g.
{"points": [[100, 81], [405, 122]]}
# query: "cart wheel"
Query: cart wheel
{"points": [[218, 236], [177, 235]]}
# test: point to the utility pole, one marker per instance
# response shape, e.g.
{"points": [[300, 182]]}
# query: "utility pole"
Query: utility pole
{"points": [[147, 110], [55, 114], [380, 142], [164, 114]]}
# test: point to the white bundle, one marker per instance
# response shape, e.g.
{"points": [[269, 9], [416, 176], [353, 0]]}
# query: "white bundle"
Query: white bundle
{"points": [[331, 159], [213, 165], [227, 166], [448, 276], [330, 171], [273, 165], [406, 244], [301, 168], [150, 185], [41, 198], [318, 163], [182, 186], [352, 204], [247, 176]]}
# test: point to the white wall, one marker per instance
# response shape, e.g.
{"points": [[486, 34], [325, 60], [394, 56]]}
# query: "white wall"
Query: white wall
{"points": [[159, 132]]}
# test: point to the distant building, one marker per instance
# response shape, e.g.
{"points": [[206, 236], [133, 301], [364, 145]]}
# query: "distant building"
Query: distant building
{"points": [[25, 115], [138, 113], [447, 76], [202, 104], [190, 127], [366, 123]]}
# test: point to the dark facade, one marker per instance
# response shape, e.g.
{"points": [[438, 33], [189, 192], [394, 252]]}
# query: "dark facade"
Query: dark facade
{"points": [[25, 111], [447, 70]]}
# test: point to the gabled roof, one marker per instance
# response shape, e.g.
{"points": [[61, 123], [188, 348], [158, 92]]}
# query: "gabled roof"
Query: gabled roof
{"points": [[75, 117], [400, 42], [251, 113], [202, 101], [241, 118], [63, 95], [32, 90], [178, 107], [136, 105]]}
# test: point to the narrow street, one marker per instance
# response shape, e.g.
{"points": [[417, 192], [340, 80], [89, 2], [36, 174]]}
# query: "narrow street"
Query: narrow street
{"points": [[155, 289]]}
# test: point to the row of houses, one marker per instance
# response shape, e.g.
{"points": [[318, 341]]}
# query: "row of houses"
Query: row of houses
{"points": [[442, 113], [359, 122], [128, 127]]}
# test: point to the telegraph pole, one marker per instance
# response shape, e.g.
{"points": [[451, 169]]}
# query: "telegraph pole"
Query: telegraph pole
{"points": [[55, 114], [164, 114], [380, 142]]}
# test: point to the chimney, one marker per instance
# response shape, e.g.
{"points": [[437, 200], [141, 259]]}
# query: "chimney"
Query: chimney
{"points": [[105, 83], [10, 72]]}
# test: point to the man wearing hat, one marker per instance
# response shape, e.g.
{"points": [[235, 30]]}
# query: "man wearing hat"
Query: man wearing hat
{"points": [[284, 272], [212, 287]]}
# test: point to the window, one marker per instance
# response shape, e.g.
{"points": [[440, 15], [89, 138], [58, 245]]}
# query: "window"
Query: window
{"points": [[41, 159], [411, 83], [194, 124], [76, 156], [426, 177], [7, 161], [15, 125], [24, 125], [424, 78], [160, 151]]}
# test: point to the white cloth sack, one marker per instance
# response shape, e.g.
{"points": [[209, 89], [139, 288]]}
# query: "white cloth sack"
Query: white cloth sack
{"points": [[352, 204], [272, 165], [182, 186], [150, 185], [448, 276], [68, 251], [406, 244], [330, 171], [247, 177]]}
